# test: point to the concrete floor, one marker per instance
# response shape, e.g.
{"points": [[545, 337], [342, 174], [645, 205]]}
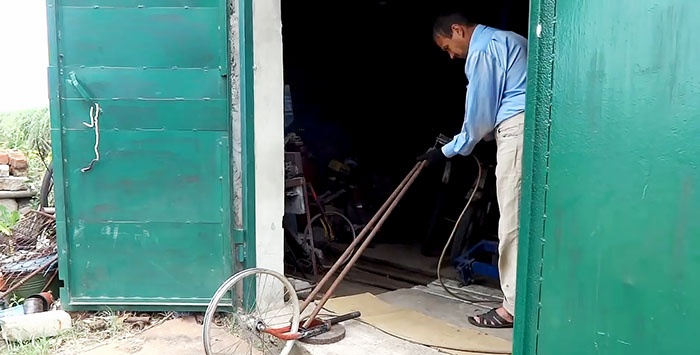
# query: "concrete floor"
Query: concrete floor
{"points": [[431, 300], [449, 310], [364, 339], [183, 336]]}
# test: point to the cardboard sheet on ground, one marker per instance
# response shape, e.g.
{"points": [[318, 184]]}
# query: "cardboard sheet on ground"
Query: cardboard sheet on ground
{"points": [[417, 327]]}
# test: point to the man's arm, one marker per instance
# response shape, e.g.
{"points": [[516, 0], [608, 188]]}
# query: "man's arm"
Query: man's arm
{"points": [[486, 82]]}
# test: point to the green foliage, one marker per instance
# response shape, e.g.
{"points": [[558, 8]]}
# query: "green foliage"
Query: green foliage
{"points": [[8, 220], [16, 301], [39, 346], [30, 132]]}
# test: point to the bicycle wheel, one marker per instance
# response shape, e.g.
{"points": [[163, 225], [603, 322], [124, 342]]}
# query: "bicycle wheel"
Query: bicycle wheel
{"points": [[234, 324], [46, 187], [335, 219]]}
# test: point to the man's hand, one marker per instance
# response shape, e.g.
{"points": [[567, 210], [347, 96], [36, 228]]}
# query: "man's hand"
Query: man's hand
{"points": [[432, 156]]}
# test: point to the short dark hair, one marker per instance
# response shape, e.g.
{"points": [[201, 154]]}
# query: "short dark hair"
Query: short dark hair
{"points": [[443, 24]]}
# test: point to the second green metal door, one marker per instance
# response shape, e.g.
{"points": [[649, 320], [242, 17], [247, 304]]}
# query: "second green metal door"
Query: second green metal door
{"points": [[612, 242], [149, 224]]}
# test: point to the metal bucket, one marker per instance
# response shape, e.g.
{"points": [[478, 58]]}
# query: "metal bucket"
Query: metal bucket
{"points": [[33, 305]]}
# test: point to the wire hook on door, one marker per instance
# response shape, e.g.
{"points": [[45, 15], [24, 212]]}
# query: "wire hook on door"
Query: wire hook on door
{"points": [[95, 124]]}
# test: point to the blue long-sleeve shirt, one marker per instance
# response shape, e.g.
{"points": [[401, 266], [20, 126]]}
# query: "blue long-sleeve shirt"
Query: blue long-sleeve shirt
{"points": [[496, 70]]}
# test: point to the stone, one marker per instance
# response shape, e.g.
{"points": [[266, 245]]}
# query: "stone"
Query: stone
{"points": [[4, 170], [19, 171], [13, 183], [24, 203], [4, 158], [24, 327], [9, 204]]}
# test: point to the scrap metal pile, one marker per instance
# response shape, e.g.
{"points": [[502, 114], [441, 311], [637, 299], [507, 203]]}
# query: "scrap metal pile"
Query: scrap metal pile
{"points": [[28, 257]]}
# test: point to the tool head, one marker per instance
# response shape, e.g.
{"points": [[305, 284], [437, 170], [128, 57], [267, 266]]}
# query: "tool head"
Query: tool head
{"points": [[441, 140]]}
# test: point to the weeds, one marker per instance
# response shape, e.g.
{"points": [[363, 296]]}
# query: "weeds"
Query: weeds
{"points": [[33, 347], [8, 220]]}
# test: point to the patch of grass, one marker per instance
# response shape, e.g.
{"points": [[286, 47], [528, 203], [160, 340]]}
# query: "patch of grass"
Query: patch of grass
{"points": [[33, 347]]}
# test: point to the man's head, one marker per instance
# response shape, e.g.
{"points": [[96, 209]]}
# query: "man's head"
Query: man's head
{"points": [[452, 34]]}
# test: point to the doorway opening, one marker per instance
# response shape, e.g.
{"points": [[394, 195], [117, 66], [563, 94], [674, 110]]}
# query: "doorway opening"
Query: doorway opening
{"points": [[366, 92]]}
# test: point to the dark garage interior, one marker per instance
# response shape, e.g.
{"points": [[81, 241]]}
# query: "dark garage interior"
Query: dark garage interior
{"points": [[369, 92]]}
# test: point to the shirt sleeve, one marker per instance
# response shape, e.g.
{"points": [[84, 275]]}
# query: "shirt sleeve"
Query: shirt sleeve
{"points": [[486, 83]]}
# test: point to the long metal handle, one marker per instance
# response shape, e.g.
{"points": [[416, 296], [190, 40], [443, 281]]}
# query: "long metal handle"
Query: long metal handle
{"points": [[359, 239], [344, 317], [384, 215]]}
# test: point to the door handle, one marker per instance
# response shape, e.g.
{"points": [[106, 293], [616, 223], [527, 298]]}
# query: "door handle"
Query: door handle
{"points": [[94, 123], [73, 80]]}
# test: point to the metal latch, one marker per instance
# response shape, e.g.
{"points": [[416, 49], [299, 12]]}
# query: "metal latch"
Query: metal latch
{"points": [[240, 246]]}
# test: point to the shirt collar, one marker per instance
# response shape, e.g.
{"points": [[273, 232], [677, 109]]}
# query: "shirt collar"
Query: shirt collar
{"points": [[472, 41]]}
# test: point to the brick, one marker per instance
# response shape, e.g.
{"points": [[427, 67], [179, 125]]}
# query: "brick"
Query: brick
{"points": [[18, 160], [4, 158]]}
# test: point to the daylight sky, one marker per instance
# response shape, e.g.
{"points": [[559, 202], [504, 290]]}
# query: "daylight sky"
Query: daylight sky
{"points": [[23, 55]]}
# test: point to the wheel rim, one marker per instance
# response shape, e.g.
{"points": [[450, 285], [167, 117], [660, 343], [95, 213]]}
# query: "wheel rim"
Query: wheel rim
{"points": [[309, 228], [47, 189], [262, 300]]}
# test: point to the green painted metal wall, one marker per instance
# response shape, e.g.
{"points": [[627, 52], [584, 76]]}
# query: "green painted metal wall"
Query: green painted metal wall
{"points": [[610, 246], [150, 225]]}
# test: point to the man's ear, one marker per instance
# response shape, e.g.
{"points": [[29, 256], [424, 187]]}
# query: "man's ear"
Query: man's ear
{"points": [[457, 30]]}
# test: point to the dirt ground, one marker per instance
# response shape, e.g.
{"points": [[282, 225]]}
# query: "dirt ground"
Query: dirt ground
{"points": [[180, 336], [115, 333]]}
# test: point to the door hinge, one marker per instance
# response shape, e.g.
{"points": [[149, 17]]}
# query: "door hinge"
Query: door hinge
{"points": [[239, 245], [241, 252]]}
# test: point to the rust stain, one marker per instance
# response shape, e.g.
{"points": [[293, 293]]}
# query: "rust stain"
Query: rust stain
{"points": [[103, 207], [191, 179]]}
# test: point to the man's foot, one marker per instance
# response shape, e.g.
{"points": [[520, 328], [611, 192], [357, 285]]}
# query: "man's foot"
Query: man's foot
{"points": [[495, 318]]}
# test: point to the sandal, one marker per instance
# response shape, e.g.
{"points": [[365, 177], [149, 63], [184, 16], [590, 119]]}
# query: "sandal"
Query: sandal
{"points": [[490, 319]]}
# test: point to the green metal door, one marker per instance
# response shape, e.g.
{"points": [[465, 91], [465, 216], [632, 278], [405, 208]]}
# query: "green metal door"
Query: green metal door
{"points": [[149, 224], [610, 245]]}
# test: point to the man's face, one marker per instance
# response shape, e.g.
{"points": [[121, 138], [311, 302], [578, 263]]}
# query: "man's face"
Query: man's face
{"points": [[456, 45]]}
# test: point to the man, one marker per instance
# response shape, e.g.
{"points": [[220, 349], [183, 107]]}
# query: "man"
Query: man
{"points": [[496, 69]]}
